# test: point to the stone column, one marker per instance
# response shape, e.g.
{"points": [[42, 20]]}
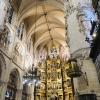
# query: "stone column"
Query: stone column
{"points": [[88, 82], [3, 11], [69, 9], [78, 17], [79, 14], [76, 96], [89, 68], [3, 87], [19, 94], [72, 30], [30, 92]]}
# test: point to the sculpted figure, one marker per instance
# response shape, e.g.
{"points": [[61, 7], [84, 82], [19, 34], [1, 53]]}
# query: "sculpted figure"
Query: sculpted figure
{"points": [[5, 38]]}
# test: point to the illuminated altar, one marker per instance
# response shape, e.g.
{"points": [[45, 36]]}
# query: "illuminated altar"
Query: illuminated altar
{"points": [[55, 84]]}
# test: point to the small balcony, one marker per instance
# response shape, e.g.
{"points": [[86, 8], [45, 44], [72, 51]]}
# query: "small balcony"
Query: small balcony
{"points": [[73, 70]]}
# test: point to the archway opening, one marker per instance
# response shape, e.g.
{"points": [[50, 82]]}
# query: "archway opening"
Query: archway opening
{"points": [[12, 86]]}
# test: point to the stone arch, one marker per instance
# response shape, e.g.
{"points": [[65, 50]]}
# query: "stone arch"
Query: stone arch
{"points": [[24, 12], [13, 85], [17, 75]]}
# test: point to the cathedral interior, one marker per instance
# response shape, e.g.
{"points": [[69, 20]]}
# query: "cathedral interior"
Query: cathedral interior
{"points": [[49, 49]]}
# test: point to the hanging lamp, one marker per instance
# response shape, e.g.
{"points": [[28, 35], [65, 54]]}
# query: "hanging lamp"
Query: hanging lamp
{"points": [[32, 74]]}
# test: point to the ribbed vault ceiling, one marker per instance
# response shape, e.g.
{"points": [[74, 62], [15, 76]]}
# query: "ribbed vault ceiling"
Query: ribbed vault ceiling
{"points": [[43, 19]]}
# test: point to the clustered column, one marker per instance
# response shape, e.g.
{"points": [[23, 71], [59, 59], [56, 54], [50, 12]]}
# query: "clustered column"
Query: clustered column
{"points": [[79, 15]]}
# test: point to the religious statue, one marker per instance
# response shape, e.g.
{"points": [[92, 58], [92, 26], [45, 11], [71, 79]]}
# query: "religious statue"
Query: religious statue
{"points": [[5, 38]]}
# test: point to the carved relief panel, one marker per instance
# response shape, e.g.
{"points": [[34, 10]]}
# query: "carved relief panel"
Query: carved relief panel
{"points": [[19, 54]]}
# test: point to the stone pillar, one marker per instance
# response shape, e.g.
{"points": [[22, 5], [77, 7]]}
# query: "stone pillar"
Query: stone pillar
{"points": [[69, 9], [76, 96], [3, 11], [78, 17], [88, 82], [30, 92], [19, 94], [3, 87], [89, 68]]}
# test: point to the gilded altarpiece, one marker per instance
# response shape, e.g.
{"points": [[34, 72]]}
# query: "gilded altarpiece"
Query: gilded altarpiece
{"points": [[55, 84]]}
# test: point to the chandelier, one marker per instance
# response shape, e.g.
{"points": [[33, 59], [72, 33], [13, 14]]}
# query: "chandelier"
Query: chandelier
{"points": [[32, 75]]}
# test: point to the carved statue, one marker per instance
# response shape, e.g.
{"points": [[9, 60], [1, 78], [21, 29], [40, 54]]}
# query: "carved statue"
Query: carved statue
{"points": [[5, 38]]}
